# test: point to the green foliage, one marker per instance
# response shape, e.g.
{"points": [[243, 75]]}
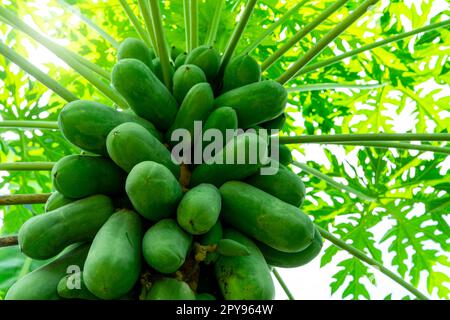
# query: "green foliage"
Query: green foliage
{"points": [[412, 189]]}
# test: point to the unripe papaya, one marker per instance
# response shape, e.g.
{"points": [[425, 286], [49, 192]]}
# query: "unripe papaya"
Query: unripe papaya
{"points": [[86, 124], [276, 123], [57, 200], [284, 155], [199, 209], [132, 48], [170, 289], [113, 264], [285, 185], [157, 70], [246, 277], [204, 296], [222, 119], [145, 94], [78, 176], [185, 78], [45, 235], [165, 246], [153, 190], [196, 106], [248, 153], [180, 60], [175, 52], [212, 237], [255, 103], [72, 287], [207, 58], [265, 217], [277, 258], [231, 248], [241, 71], [42, 283], [129, 144]]}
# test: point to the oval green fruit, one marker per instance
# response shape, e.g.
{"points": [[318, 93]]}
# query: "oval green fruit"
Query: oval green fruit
{"points": [[222, 119], [245, 277], [185, 78], [153, 190], [129, 144], [207, 58], [113, 264], [180, 60], [170, 289], [204, 296], [132, 48], [199, 209], [57, 200], [212, 237], [165, 246], [145, 94], [78, 176], [72, 287], [157, 70], [241, 71], [231, 248], [276, 123], [86, 124], [265, 217], [45, 235]]}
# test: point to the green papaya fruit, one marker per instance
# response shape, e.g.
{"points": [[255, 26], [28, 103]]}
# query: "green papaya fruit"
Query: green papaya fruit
{"points": [[276, 123], [185, 78], [113, 264], [175, 52], [42, 283], [265, 217], [157, 70], [207, 58], [212, 237], [78, 176], [165, 246], [199, 209], [132, 48], [45, 235], [57, 200], [129, 144], [256, 102], [281, 259], [72, 287], [170, 289], [86, 124], [153, 190], [231, 248], [196, 106], [222, 119], [204, 296], [240, 158], [245, 277], [284, 155], [241, 71], [145, 94], [285, 185], [180, 60]]}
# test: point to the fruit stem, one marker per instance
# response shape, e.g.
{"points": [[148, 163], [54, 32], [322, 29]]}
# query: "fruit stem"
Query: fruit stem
{"points": [[301, 34], [26, 166], [29, 124], [8, 241], [193, 13], [214, 27], [236, 36], [331, 181], [145, 12], [362, 137], [397, 145], [89, 22], [75, 61], [187, 24], [136, 23], [333, 86], [161, 41], [272, 28], [371, 46], [325, 41], [282, 284], [363, 257], [14, 199], [36, 73]]}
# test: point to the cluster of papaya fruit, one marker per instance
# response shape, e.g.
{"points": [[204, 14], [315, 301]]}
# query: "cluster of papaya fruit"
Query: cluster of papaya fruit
{"points": [[139, 225]]}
